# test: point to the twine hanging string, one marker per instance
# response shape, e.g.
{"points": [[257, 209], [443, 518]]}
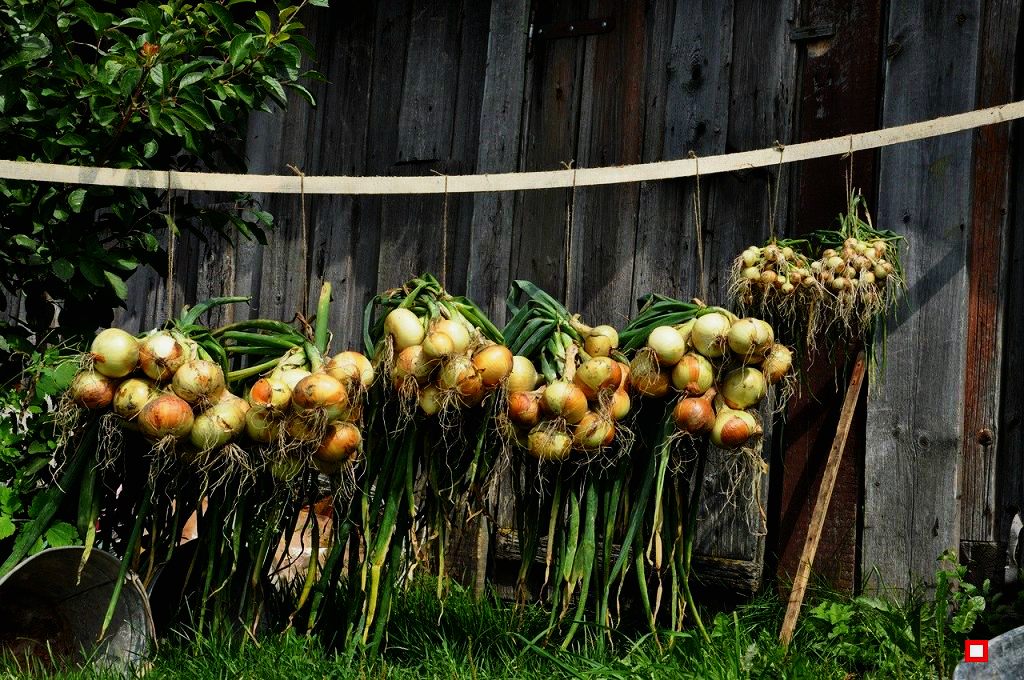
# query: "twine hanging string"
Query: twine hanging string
{"points": [[849, 170], [304, 234], [444, 233], [170, 246], [699, 227], [569, 208], [773, 197]]}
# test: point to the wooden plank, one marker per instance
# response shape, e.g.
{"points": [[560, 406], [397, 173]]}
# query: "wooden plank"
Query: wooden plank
{"points": [[554, 87], [987, 276], [687, 104], [501, 118], [839, 82], [915, 414], [828, 481], [737, 214], [604, 219]]}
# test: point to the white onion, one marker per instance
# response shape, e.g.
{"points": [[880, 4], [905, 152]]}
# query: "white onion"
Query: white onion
{"points": [[160, 355], [710, 333], [290, 376], [750, 338], [457, 331], [743, 387], [198, 380], [114, 352], [405, 327], [668, 345], [351, 368]]}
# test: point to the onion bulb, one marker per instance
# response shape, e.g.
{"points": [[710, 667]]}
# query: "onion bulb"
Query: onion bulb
{"points": [[351, 368], [340, 443], [750, 338], [411, 364], [457, 331], [562, 399], [596, 374], [618, 405], [219, 424], [270, 393], [493, 363], [710, 334], [523, 376], [695, 414], [290, 376], [743, 387], [160, 355], [594, 431], [114, 352], [198, 381], [458, 373], [405, 327], [547, 443], [668, 344], [646, 376], [166, 415], [262, 426], [777, 363], [732, 429], [524, 408], [438, 345], [694, 374], [429, 399], [320, 391], [131, 395], [93, 390], [600, 341]]}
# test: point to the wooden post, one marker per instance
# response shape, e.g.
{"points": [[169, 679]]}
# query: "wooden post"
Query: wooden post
{"points": [[828, 480]]}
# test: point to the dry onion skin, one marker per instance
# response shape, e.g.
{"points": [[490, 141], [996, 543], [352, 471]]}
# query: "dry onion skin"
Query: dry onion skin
{"points": [[93, 390], [166, 416], [114, 352]]}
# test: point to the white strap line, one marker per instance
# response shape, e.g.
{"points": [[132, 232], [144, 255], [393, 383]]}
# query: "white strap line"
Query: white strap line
{"points": [[511, 181]]}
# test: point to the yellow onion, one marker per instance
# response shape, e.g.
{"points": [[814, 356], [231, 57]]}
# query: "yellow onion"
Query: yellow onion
{"points": [[457, 331], [351, 368], [198, 381], [411, 364], [166, 415], [750, 338], [430, 399], [160, 355], [290, 376], [459, 374], [114, 352], [438, 345], [668, 345], [732, 429], [743, 387], [493, 363], [594, 431], [270, 393], [93, 390], [694, 374], [548, 444], [564, 400], [524, 408], [695, 414], [646, 376], [523, 377], [618, 405], [320, 391], [219, 424], [340, 443], [600, 341], [131, 395], [710, 334], [596, 374], [405, 327], [777, 363], [262, 425]]}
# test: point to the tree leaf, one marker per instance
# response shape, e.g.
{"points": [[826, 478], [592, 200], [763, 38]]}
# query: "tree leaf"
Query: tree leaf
{"points": [[92, 272], [6, 527], [264, 22], [240, 48], [319, 3], [75, 199], [276, 90], [72, 139], [63, 269], [117, 283], [303, 92], [159, 74], [222, 15], [61, 534], [190, 79]]}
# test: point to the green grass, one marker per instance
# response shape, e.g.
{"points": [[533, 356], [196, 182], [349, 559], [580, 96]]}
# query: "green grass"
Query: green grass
{"points": [[838, 637]]}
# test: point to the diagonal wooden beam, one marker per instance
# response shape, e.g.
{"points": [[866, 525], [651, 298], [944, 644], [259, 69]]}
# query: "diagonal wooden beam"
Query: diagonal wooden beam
{"points": [[828, 481]]}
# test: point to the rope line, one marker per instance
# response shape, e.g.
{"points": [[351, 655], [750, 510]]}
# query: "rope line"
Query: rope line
{"points": [[513, 181]]}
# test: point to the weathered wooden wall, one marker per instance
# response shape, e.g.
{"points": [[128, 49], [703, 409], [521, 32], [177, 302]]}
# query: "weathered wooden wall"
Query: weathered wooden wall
{"points": [[418, 87]]}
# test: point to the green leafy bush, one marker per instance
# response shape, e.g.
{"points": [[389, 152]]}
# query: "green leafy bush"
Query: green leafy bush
{"points": [[98, 83]]}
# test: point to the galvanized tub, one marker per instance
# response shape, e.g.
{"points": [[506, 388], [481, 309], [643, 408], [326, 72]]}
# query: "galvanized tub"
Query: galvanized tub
{"points": [[47, 614]]}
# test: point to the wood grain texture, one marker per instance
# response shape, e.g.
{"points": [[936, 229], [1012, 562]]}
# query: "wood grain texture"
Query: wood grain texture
{"points": [[501, 120], [915, 414], [980, 509]]}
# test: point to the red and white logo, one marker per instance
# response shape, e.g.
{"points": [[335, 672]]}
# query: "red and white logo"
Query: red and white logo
{"points": [[976, 651]]}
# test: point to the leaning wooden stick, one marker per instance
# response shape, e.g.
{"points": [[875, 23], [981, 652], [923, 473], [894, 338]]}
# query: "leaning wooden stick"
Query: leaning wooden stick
{"points": [[828, 482]]}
